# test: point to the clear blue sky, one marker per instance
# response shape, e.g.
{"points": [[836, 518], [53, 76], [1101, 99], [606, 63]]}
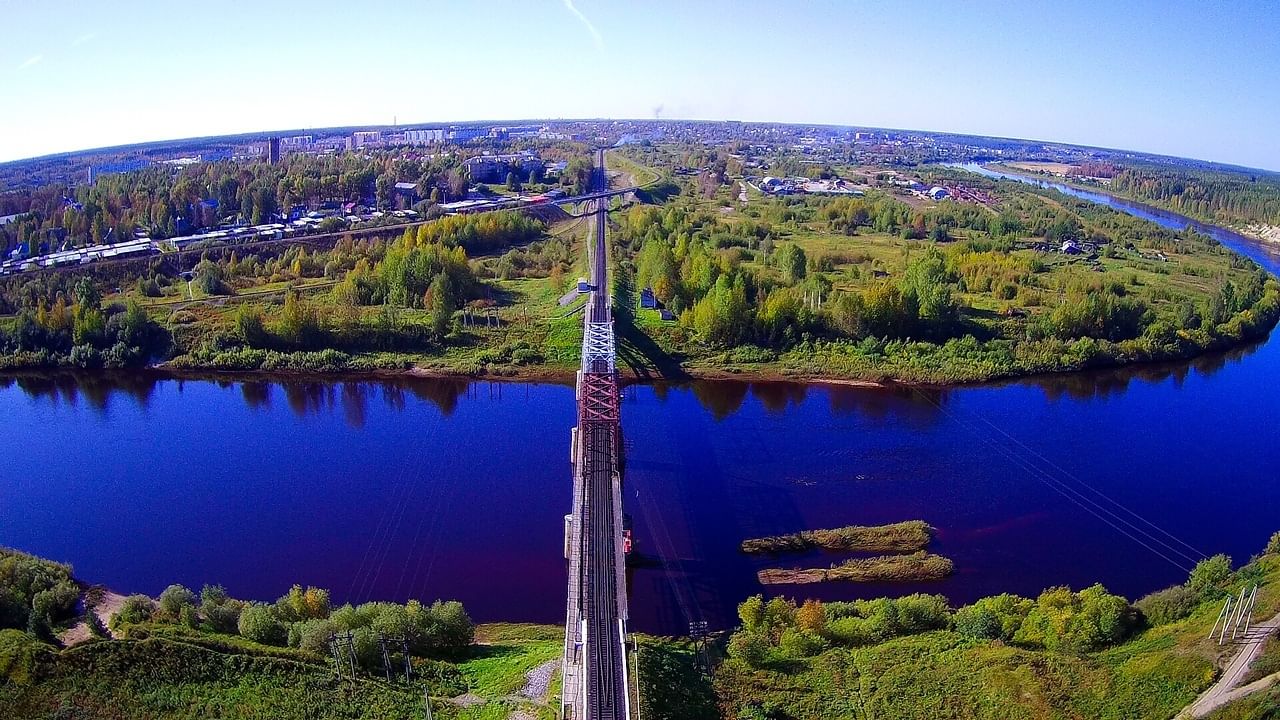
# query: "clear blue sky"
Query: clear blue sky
{"points": [[1185, 78]]}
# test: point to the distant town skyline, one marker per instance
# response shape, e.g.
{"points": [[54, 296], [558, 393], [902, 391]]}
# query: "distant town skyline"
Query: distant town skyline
{"points": [[1173, 78]]}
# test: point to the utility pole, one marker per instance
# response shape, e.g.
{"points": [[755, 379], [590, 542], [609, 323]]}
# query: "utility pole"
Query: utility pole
{"points": [[341, 644], [386, 658], [394, 641], [698, 631]]}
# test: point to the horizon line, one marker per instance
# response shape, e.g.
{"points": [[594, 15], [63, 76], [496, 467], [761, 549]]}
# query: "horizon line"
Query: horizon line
{"points": [[68, 154]]}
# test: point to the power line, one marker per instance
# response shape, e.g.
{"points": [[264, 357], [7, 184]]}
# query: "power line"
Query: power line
{"points": [[1068, 493], [1198, 554]]}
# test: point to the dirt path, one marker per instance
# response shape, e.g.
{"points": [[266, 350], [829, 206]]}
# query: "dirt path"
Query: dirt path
{"points": [[108, 605], [538, 680], [1225, 690]]}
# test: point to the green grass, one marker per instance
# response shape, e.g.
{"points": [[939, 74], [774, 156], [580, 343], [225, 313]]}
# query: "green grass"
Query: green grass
{"points": [[1267, 662], [641, 175], [884, 568], [161, 678], [1261, 706], [945, 675], [906, 536], [497, 671], [174, 672]]}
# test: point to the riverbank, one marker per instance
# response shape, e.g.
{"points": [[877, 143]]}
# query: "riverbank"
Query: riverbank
{"points": [[567, 375], [1262, 232]]}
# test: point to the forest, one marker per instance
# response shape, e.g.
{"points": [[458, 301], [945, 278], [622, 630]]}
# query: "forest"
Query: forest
{"points": [[876, 286], [382, 295], [1215, 196], [165, 201]]}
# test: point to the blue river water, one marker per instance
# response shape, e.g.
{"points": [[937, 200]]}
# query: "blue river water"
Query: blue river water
{"points": [[389, 489]]}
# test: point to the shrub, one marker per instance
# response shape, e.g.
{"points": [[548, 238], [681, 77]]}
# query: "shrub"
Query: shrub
{"points": [[174, 599], [260, 624], [224, 617], [135, 609], [920, 613], [1273, 545], [299, 604], [312, 635], [976, 622], [993, 618], [251, 326], [1076, 622], [213, 595], [750, 647], [442, 629], [751, 612], [1210, 575], [56, 602], [1168, 605], [801, 644]]}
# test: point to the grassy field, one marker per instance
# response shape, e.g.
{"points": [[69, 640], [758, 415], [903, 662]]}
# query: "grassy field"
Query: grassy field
{"points": [[1053, 168], [943, 674], [191, 675], [637, 174]]}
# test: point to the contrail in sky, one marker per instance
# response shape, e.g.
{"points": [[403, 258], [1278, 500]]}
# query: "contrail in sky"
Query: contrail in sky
{"points": [[37, 58], [594, 33]]}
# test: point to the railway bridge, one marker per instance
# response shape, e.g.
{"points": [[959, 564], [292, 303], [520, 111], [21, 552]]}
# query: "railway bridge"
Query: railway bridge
{"points": [[595, 668]]}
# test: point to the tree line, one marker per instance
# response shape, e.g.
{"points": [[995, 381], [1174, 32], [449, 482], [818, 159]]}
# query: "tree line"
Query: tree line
{"points": [[165, 201]]}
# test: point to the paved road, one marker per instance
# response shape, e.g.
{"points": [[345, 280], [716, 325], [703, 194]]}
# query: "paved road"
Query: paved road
{"points": [[1225, 690]]}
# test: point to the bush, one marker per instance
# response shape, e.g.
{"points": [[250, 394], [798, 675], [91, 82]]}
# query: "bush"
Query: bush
{"points": [[225, 617], [312, 635], [920, 613], [135, 609], [1210, 575], [979, 623], [299, 604], [1273, 545], [442, 629], [1076, 622], [174, 599], [260, 624], [801, 644], [993, 618], [750, 647], [1168, 605], [55, 603]]}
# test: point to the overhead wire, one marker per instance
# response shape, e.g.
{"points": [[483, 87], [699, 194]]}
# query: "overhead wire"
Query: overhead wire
{"points": [[1074, 496]]}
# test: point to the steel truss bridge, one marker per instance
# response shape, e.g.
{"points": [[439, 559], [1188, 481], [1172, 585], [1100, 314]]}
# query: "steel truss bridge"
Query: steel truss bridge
{"points": [[595, 667]]}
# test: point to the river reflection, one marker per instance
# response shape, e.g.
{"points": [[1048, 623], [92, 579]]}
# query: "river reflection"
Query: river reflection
{"points": [[720, 398], [459, 489], [426, 488]]}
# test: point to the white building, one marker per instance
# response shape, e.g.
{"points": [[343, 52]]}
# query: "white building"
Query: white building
{"points": [[366, 138], [423, 137]]}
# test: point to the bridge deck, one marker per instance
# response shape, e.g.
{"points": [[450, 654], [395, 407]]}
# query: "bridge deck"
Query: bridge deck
{"points": [[595, 663]]}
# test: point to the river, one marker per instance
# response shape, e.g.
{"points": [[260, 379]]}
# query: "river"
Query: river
{"points": [[456, 489]]}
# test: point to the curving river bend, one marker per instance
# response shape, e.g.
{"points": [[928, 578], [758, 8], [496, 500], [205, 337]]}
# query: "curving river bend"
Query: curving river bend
{"points": [[456, 489]]}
